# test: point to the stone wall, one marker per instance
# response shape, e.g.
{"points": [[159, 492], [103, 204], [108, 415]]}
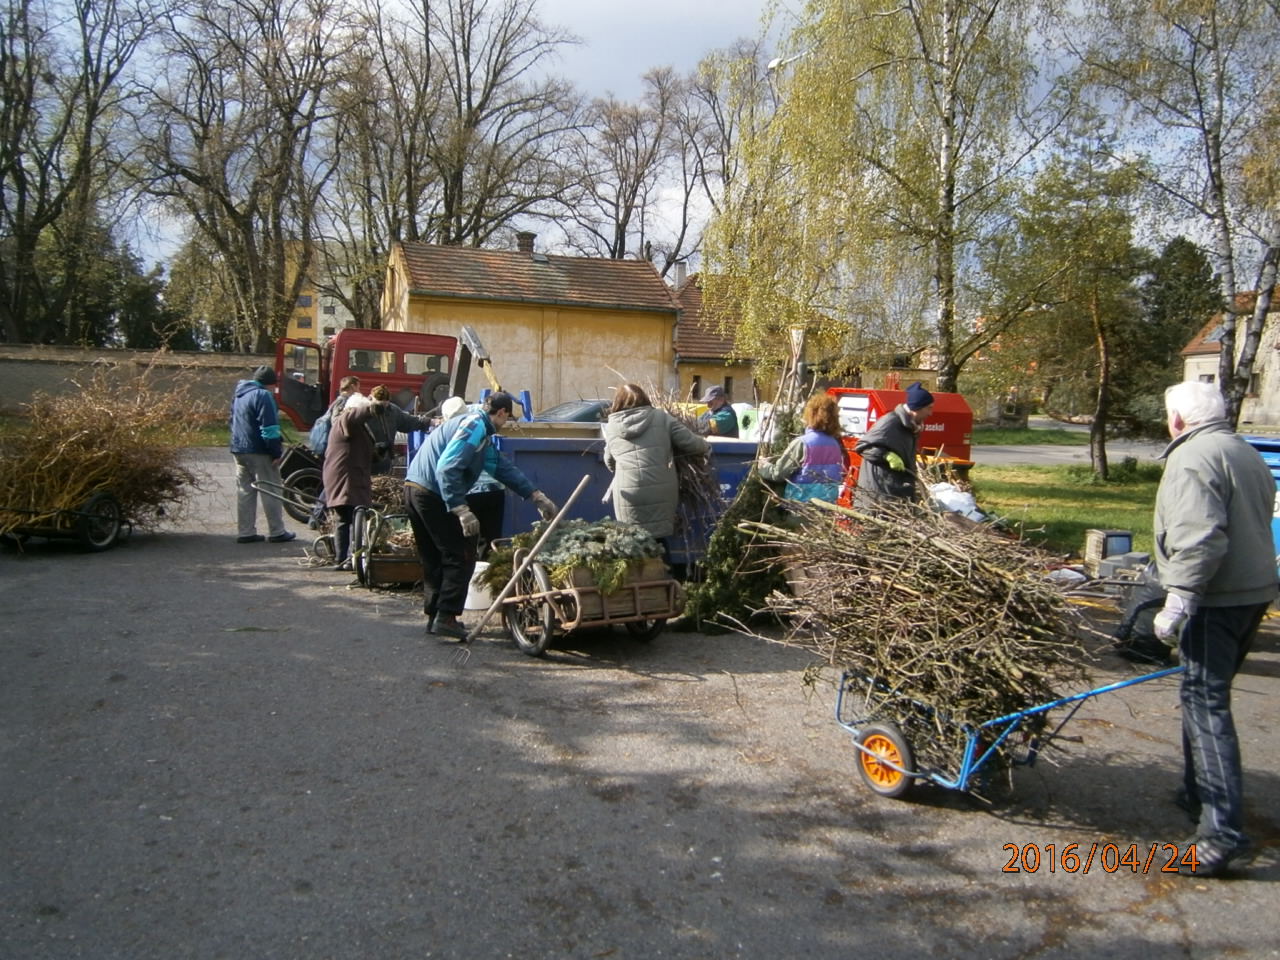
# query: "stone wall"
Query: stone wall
{"points": [[209, 378]]}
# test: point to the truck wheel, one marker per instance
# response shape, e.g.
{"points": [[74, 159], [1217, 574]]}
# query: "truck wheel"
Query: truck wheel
{"points": [[302, 488], [645, 630], [98, 522], [434, 391]]}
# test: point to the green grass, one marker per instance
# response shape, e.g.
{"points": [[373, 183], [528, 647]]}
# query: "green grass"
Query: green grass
{"points": [[1009, 437], [1054, 506]]}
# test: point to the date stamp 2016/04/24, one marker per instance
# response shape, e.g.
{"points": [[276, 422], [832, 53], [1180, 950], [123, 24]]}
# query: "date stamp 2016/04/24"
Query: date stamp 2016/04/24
{"points": [[1107, 857]]}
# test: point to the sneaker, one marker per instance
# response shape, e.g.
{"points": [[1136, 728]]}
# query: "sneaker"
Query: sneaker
{"points": [[447, 625], [1212, 859], [251, 538], [283, 537]]}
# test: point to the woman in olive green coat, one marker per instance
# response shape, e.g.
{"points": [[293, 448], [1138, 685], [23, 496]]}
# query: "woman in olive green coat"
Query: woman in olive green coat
{"points": [[640, 444]]}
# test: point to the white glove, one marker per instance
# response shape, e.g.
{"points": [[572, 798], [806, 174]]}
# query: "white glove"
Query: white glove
{"points": [[470, 522], [1168, 622], [546, 506]]}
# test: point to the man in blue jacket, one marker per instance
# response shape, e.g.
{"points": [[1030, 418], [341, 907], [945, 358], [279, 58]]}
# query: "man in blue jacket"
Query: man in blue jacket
{"points": [[435, 495], [257, 449]]}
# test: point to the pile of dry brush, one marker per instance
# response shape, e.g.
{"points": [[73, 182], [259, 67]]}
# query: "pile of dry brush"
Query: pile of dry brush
{"points": [[939, 611], [117, 434]]}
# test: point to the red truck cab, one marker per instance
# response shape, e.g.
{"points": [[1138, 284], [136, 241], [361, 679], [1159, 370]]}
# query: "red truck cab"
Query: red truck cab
{"points": [[417, 368]]}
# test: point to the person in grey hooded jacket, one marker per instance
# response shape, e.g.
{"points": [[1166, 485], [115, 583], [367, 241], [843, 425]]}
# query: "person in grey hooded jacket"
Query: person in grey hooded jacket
{"points": [[1216, 561], [640, 443]]}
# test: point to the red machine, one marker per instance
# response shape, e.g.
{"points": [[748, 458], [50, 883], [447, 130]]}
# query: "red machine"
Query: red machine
{"points": [[415, 367], [946, 435]]}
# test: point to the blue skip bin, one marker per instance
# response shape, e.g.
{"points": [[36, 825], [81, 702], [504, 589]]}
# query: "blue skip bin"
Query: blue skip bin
{"points": [[1269, 447]]}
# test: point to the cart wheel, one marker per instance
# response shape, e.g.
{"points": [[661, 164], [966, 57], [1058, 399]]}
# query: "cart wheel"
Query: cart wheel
{"points": [[98, 522], [645, 630], [531, 623], [302, 487], [885, 741]]}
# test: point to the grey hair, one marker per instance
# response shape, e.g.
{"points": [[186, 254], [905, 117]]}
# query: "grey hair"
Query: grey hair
{"points": [[1195, 402]]}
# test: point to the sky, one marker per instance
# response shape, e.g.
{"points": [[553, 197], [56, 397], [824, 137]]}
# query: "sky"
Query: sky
{"points": [[621, 41]]}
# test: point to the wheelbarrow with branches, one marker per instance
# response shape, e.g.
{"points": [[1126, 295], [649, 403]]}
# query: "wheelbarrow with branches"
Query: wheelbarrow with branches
{"points": [[902, 741], [96, 524]]}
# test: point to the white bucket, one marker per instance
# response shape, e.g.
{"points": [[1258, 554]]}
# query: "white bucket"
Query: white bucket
{"points": [[479, 597]]}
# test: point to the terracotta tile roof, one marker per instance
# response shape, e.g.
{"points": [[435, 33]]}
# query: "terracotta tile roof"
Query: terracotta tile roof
{"points": [[514, 275], [698, 336], [1207, 338]]}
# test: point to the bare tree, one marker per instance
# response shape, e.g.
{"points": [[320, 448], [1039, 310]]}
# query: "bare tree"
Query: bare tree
{"points": [[1193, 76], [62, 83], [229, 141], [497, 143]]}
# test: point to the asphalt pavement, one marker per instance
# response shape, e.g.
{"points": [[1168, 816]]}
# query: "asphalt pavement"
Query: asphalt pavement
{"points": [[214, 750]]}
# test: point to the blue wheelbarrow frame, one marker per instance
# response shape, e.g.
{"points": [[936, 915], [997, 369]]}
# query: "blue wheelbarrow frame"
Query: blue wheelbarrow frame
{"points": [[974, 758]]}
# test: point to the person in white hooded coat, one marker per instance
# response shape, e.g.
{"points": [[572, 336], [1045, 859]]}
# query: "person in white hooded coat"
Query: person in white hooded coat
{"points": [[640, 444]]}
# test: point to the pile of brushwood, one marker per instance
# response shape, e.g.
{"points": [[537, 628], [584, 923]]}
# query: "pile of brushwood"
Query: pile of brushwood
{"points": [[609, 550], [395, 534], [953, 622], [117, 434]]}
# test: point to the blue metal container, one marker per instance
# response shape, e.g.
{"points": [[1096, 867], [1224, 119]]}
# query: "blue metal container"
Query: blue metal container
{"points": [[1269, 447], [556, 464]]}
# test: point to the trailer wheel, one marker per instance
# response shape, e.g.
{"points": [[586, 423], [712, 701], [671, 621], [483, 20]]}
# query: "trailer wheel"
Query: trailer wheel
{"points": [[886, 743], [531, 623], [98, 522], [302, 487], [645, 630]]}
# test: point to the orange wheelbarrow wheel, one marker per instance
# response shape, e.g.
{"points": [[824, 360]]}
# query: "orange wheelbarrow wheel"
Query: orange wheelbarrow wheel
{"points": [[888, 749]]}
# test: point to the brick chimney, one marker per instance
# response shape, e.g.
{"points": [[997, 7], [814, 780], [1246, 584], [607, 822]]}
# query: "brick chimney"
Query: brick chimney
{"points": [[524, 241]]}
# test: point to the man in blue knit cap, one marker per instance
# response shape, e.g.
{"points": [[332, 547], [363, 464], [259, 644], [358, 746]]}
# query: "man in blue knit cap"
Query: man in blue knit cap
{"points": [[435, 496], [257, 448], [888, 451]]}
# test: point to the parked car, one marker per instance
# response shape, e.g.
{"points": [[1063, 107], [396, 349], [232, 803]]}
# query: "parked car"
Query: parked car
{"points": [[576, 411]]}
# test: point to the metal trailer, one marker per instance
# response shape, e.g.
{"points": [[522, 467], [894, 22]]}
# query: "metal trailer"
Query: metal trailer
{"points": [[97, 524], [887, 761]]}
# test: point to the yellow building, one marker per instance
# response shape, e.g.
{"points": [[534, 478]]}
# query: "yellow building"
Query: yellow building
{"points": [[565, 328]]}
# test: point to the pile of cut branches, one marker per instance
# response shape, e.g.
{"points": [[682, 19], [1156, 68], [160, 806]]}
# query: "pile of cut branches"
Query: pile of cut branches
{"points": [[609, 550], [116, 434], [388, 493], [954, 623], [699, 486]]}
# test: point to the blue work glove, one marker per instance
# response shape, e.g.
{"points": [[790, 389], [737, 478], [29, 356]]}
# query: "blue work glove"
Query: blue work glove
{"points": [[1169, 621]]}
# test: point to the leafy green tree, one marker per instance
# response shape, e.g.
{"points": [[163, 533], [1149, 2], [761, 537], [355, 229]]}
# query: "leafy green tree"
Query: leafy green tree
{"points": [[1075, 228], [895, 146]]}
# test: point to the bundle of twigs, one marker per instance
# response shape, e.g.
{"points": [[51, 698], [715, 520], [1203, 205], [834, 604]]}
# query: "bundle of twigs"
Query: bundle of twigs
{"points": [[699, 486], [388, 493], [951, 623], [117, 433]]}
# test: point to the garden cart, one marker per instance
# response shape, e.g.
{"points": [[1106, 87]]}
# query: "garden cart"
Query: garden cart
{"points": [[891, 758], [96, 524]]}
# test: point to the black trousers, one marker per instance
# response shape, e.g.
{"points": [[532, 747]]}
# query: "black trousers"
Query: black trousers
{"points": [[448, 558], [488, 507]]}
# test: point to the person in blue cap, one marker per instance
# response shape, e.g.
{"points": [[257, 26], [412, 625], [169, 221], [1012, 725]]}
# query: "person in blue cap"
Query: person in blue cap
{"points": [[435, 495], [721, 420], [888, 451], [257, 448]]}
